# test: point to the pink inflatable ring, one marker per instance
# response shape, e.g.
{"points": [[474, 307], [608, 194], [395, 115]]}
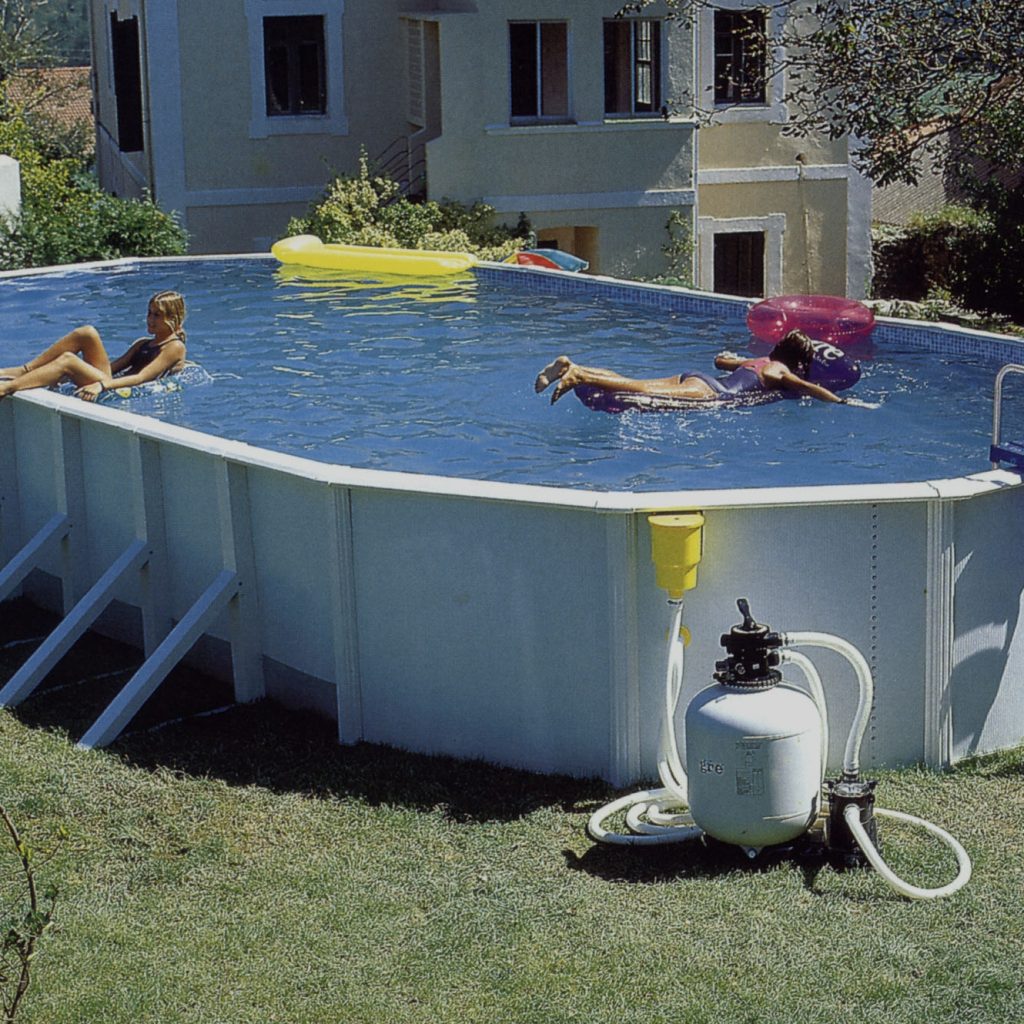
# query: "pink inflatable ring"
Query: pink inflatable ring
{"points": [[839, 321]]}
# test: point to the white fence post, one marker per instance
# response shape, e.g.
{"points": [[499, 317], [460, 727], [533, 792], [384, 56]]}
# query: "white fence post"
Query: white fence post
{"points": [[10, 187]]}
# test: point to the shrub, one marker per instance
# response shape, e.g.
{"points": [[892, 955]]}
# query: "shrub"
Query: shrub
{"points": [[368, 209], [65, 216], [936, 252]]}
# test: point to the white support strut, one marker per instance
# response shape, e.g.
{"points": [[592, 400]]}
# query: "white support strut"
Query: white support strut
{"points": [[27, 559], [75, 623], [155, 668]]}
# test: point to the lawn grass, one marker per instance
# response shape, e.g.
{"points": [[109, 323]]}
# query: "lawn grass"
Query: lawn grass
{"points": [[245, 868]]}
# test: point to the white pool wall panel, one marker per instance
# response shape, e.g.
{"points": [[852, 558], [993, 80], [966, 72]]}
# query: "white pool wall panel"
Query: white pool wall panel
{"points": [[523, 625], [985, 704]]}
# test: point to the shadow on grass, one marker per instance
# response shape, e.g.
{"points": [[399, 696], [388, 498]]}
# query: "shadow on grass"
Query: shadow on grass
{"points": [[264, 744], [1004, 764], [696, 858], [285, 751], [260, 744]]}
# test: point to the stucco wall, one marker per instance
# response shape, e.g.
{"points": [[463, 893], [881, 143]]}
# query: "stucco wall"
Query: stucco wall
{"points": [[621, 178], [814, 237], [217, 101], [763, 145]]}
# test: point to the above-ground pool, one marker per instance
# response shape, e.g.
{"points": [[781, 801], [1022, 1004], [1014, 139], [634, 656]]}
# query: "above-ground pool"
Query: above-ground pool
{"points": [[435, 376], [371, 513]]}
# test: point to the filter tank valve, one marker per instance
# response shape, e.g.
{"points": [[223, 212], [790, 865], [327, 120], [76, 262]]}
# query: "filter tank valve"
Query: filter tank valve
{"points": [[753, 653]]}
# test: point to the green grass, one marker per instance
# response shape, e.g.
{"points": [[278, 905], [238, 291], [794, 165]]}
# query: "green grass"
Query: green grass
{"points": [[245, 868]]}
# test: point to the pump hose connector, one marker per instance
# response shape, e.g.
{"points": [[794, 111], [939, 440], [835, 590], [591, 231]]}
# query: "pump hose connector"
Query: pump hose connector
{"points": [[852, 813]]}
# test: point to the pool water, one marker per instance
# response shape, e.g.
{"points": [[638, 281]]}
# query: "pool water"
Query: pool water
{"points": [[437, 377]]}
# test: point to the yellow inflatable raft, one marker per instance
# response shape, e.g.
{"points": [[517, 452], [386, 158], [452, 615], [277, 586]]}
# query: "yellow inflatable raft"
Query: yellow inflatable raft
{"points": [[309, 251]]}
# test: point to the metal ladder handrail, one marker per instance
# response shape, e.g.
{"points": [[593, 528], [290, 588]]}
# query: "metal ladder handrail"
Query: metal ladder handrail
{"points": [[997, 402]]}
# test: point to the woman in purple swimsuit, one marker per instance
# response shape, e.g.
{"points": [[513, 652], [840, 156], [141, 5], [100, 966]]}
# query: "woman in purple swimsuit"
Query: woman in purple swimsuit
{"points": [[785, 368], [80, 356]]}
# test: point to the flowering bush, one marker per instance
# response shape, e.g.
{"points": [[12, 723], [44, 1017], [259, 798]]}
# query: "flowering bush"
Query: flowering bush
{"points": [[368, 209]]}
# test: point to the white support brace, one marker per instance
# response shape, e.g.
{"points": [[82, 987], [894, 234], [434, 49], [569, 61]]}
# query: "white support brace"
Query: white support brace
{"points": [[70, 490], [623, 543], [344, 628], [15, 571], [154, 590], [74, 624], [238, 556], [154, 670]]}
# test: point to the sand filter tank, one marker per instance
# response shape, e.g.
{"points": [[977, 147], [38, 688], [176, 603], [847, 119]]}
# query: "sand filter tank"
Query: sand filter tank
{"points": [[753, 746], [756, 744]]}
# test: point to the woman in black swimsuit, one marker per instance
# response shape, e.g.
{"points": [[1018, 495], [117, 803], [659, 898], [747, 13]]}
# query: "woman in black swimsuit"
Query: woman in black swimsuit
{"points": [[81, 357]]}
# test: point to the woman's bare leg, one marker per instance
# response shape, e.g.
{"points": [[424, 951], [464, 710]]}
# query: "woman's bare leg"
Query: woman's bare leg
{"points": [[82, 341], [569, 375], [66, 365]]}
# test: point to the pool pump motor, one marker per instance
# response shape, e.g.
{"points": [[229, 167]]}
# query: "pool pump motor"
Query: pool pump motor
{"points": [[756, 747]]}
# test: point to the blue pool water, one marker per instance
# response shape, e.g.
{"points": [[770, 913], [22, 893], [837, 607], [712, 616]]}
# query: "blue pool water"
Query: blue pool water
{"points": [[437, 377]]}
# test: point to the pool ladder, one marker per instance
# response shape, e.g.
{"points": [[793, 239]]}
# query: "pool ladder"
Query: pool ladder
{"points": [[1004, 451]]}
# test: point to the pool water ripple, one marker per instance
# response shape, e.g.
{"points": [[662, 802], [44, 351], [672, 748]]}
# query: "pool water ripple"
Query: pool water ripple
{"points": [[437, 377]]}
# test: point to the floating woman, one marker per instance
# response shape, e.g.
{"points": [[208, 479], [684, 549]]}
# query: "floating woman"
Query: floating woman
{"points": [[81, 357], [785, 368]]}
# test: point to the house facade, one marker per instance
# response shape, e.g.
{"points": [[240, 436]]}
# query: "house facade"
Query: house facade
{"points": [[236, 113]]}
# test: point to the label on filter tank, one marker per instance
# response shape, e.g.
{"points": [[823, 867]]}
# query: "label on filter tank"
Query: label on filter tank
{"points": [[749, 768]]}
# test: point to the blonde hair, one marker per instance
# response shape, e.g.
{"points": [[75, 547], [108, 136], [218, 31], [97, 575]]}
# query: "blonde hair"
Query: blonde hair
{"points": [[171, 308]]}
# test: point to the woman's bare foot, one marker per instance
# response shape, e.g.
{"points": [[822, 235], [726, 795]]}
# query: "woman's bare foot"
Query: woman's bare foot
{"points": [[555, 370], [10, 372]]}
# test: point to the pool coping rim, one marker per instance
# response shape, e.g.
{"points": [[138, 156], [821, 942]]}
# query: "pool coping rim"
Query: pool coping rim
{"points": [[240, 452], [615, 501]]}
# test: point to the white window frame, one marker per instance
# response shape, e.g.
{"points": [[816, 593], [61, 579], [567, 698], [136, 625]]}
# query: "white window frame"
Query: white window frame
{"points": [[662, 67], [525, 119], [335, 120], [773, 109], [774, 227]]}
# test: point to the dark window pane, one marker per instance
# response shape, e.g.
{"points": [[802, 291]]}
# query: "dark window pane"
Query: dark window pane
{"points": [[294, 66], [124, 41], [740, 56], [311, 77], [276, 64], [617, 73], [632, 66], [522, 39], [739, 263]]}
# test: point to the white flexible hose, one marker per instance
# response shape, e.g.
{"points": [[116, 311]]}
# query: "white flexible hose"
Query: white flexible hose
{"points": [[657, 816], [806, 666], [851, 757], [852, 818]]}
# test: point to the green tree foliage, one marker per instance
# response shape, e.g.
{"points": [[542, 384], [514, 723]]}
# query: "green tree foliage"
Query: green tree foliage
{"points": [[65, 24], [66, 218], [905, 77], [369, 209]]}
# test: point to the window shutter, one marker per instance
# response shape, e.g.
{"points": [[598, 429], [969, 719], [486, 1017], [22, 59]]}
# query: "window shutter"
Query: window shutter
{"points": [[416, 71]]}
